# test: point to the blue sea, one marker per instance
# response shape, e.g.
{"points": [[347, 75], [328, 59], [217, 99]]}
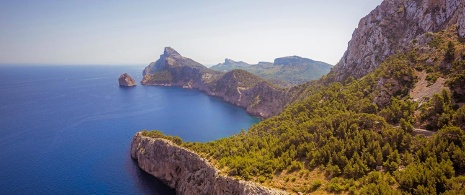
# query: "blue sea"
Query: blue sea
{"points": [[68, 129]]}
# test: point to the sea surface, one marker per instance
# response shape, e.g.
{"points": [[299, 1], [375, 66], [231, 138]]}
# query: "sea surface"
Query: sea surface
{"points": [[68, 129]]}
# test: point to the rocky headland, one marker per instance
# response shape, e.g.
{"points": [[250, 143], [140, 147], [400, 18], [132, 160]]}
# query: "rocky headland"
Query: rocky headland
{"points": [[126, 81], [258, 96], [185, 171]]}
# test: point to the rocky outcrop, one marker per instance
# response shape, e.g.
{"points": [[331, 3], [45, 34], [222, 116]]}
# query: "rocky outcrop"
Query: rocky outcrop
{"points": [[258, 96], [126, 81], [172, 69], [185, 171], [391, 28], [246, 90]]}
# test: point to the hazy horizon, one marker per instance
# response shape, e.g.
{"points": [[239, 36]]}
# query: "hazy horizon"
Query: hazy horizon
{"points": [[126, 33]]}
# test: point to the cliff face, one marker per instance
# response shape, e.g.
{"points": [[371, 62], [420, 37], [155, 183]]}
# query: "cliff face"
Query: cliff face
{"points": [[244, 89], [391, 28], [257, 96], [186, 171]]}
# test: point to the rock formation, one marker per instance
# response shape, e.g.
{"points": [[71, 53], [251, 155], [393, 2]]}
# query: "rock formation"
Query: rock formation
{"points": [[391, 28], [246, 90], [185, 171], [258, 96], [126, 81]]}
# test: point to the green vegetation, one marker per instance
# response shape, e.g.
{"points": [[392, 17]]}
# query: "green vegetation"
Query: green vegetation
{"points": [[158, 134], [339, 128], [162, 76], [340, 137], [284, 71]]}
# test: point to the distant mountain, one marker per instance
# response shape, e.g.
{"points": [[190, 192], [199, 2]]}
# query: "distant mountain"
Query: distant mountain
{"points": [[291, 70], [229, 65], [258, 96], [172, 69]]}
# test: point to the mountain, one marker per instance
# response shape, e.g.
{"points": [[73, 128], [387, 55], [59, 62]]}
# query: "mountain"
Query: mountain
{"points": [[229, 65], [258, 96], [172, 69], [285, 71], [392, 28]]}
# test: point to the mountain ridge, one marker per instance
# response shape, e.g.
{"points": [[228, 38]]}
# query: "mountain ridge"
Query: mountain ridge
{"points": [[285, 71]]}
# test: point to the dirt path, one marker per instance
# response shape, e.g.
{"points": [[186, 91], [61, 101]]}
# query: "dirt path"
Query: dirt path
{"points": [[424, 132]]}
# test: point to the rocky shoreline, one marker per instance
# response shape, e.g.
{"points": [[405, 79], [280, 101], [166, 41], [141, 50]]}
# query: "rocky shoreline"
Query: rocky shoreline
{"points": [[185, 171], [242, 99]]}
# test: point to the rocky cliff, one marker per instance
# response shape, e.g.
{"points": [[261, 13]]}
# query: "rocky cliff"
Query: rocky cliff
{"points": [[126, 81], [258, 96], [246, 90], [185, 171], [392, 28]]}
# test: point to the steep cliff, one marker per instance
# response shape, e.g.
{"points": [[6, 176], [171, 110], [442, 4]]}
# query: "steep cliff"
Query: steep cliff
{"points": [[186, 171], [244, 89], [258, 96], [392, 28]]}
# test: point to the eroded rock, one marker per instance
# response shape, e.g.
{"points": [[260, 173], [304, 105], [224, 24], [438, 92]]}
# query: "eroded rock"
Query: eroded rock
{"points": [[185, 171], [126, 81]]}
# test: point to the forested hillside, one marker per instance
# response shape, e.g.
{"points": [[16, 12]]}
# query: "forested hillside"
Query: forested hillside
{"points": [[388, 119], [343, 137]]}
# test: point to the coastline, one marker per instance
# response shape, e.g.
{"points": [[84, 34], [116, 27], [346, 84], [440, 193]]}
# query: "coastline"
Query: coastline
{"points": [[185, 171], [250, 109]]}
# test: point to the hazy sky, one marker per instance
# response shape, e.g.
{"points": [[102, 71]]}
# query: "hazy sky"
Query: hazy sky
{"points": [[135, 32]]}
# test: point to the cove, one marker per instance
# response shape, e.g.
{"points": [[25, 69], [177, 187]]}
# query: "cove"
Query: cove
{"points": [[67, 129]]}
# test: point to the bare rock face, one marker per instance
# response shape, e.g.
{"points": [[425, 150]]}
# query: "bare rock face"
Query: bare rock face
{"points": [[391, 28], [246, 90], [126, 81], [185, 171]]}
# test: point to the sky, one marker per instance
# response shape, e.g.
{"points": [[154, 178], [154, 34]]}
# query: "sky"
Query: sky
{"points": [[207, 31]]}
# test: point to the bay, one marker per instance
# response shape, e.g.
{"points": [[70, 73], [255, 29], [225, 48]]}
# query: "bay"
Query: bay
{"points": [[67, 129]]}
